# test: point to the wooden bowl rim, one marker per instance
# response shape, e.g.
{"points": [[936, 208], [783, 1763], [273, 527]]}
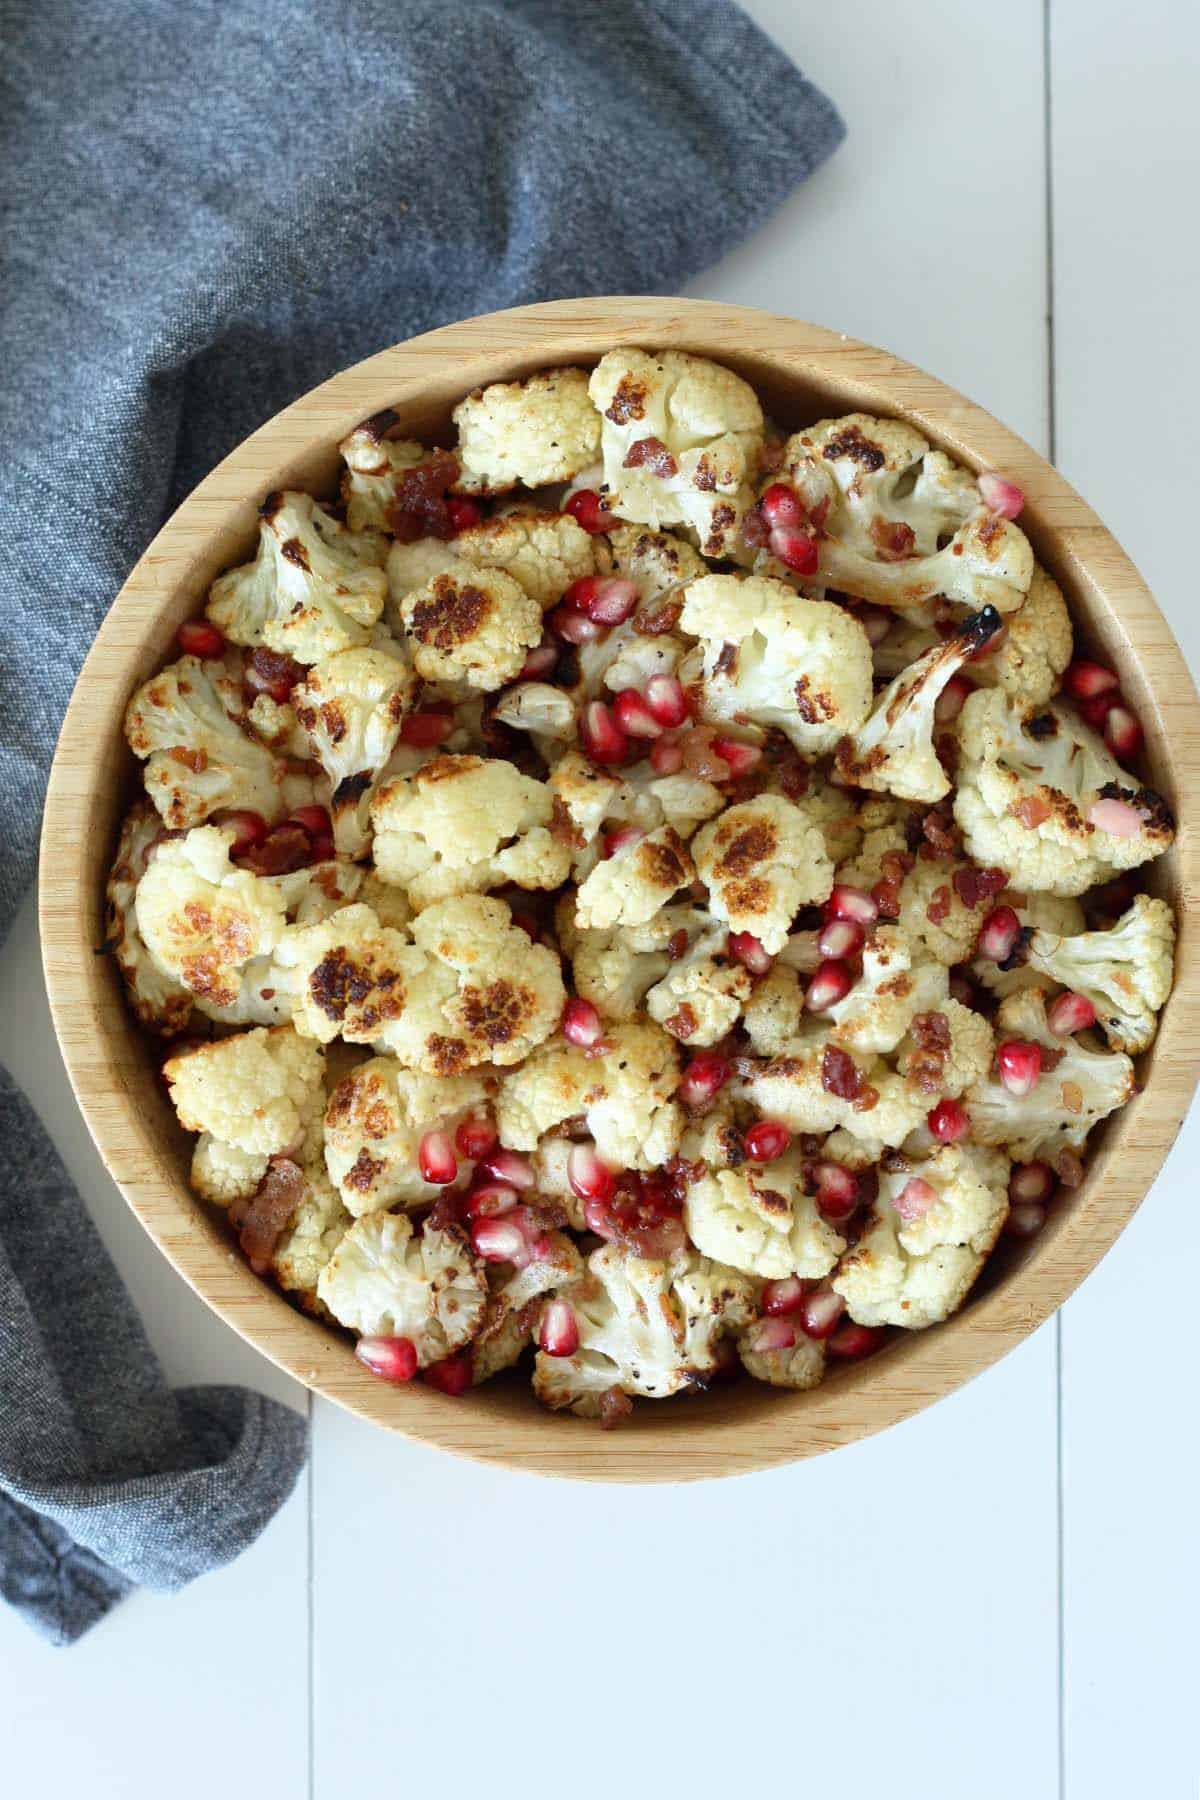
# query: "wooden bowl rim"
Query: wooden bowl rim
{"points": [[677, 1443]]}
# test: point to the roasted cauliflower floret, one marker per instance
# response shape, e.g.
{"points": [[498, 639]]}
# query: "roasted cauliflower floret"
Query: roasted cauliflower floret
{"points": [[472, 625], [1040, 795], [1082, 1086], [514, 1303], [933, 914], [384, 1281], [772, 658], [535, 432], [878, 486], [314, 587], [615, 968], [634, 883], [373, 461], [895, 985], [199, 758], [800, 1366], [772, 1014], [624, 1094], [682, 801], [255, 1092], [702, 993], [1055, 914], [894, 751], [761, 1221], [679, 441], [926, 1238], [813, 1085], [307, 1244], [761, 862], [352, 707], [374, 1123], [508, 992], [946, 1052], [1126, 972], [544, 552], [659, 565], [159, 999], [1028, 659], [647, 1328], [587, 793], [461, 824], [202, 919], [354, 978]]}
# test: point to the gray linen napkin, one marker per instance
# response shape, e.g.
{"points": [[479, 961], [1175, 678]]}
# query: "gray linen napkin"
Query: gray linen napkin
{"points": [[207, 209]]}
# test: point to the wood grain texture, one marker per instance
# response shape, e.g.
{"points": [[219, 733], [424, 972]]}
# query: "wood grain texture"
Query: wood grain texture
{"points": [[802, 372]]}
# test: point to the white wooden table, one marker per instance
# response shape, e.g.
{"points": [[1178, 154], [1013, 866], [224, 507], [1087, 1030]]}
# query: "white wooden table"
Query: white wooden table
{"points": [[993, 1600]]}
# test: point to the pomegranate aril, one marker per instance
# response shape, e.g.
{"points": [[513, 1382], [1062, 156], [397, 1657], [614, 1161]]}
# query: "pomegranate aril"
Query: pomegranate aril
{"points": [[831, 983], [1096, 709], [603, 739], [539, 662], [490, 1199], [612, 600], [582, 1024], [820, 1311], [852, 1342], [1019, 1064], [464, 513], [510, 1166], [586, 1174], [422, 730], [852, 903], [249, 829], [323, 850], [1031, 1181], [634, 716], [952, 699], [313, 819], [915, 1199], [1001, 496], [452, 1375], [703, 1079], [665, 758], [780, 1297], [436, 1159], [781, 505], [1025, 1219], [666, 699], [499, 1239], [837, 1190], [615, 841], [840, 938], [1123, 732], [766, 1141], [999, 934], [741, 758], [795, 548], [573, 627], [1117, 817], [474, 1138], [589, 511], [1070, 1012], [770, 1334], [558, 1334], [391, 1358], [199, 637], [1085, 680], [949, 1122], [745, 948]]}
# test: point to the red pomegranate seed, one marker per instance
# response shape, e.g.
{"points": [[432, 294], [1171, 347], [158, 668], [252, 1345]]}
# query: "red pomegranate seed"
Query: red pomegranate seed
{"points": [[703, 1079], [1031, 1182], [490, 1199], [198, 637], [582, 1024], [436, 1159], [391, 1358], [1087, 680], [781, 505], [831, 983], [795, 548], [313, 819], [852, 1342], [770, 1334], [249, 829], [949, 1122], [463, 512], [852, 903], [539, 662], [1070, 1012], [323, 850], [837, 1190], [666, 699], [452, 1375], [1019, 1064], [613, 842], [820, 1311], [962, 990], [558, 1334], [1123, 732], [510, 1166], [1117, 817], [740, 757], [1097, 709], [587, 1175], [952, 699], [634, 716], [840, 938], [998, 934], [499, 1239], [766, 1141], [781, 1297], [475, 1137], [589, 511], [578, 596], [665, 758], [745, 948], [603, 739], [612, 600], [1025, 1220], [1001, 496], [573, 627], [915, 1199], [422, 730]]}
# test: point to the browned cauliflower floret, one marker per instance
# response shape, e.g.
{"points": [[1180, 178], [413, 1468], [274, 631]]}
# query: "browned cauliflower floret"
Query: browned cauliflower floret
{"points": [[507, 996], [1027, 660], [514, 1303], [471, 625], [762, 1221], [160, 1000], [256, 1092], [374, 1123], [373, 461], [385, 1281], [659, 565], [202, 919], [185, 721], [761, 862], [625, 1095], [351, 707], [630, 886], [536, 432]]}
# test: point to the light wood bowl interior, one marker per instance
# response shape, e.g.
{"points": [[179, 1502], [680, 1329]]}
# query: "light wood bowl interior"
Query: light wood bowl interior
{"points": [[802, 373]]}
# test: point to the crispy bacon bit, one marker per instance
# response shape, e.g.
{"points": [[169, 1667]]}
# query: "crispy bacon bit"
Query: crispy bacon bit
{"points": [[892, 539], [682, 1024], [755, 530], [677, 944], [938, 830], [1068, 1166], [925, 1070], [931, 1031], [940, 902], [972, 884], [287, 848], [272, 673], [420, 507], [1032, 811], [263, 1218], [615, 1406], [895, 865], [652, 454], [840, 1074]]}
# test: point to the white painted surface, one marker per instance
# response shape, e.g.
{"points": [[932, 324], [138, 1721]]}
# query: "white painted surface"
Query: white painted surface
{"points": [[889, 1616]]}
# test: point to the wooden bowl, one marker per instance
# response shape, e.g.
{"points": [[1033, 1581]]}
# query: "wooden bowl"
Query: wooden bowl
{"points": [[802, 373]]}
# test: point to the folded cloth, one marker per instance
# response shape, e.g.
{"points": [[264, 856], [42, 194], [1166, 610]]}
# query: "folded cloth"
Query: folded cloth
{"points": [[208, 209]]}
